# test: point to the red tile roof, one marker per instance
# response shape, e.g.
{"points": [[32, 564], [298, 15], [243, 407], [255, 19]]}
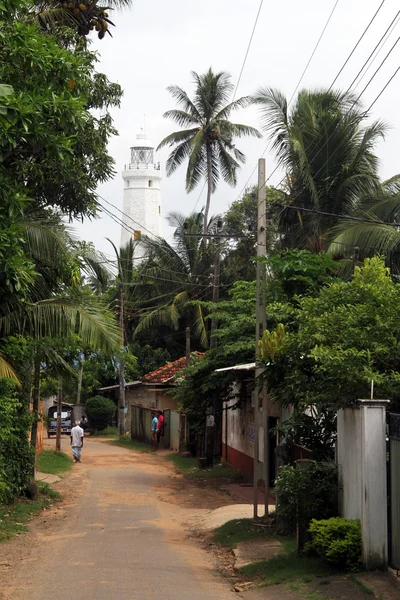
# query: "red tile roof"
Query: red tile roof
{"points": [[166, 374]]}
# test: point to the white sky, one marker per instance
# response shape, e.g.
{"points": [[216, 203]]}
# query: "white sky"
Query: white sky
{"points": [[158, 43]]}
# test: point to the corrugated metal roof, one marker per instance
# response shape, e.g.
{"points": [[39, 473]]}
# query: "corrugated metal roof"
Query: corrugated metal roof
{"points": [[245, 367]]}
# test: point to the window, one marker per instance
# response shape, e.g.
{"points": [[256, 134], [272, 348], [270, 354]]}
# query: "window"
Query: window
{"points": [[150, 183]]}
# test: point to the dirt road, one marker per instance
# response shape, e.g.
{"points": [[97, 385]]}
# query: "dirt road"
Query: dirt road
{"points": [[113, 538]]}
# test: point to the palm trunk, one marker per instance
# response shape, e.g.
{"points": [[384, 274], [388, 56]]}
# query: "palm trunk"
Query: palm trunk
{"points": [[35, 400], [209, 191], [59, 410]]}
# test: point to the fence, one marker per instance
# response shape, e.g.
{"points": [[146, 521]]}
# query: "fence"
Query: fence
{"points": [[394, 490], [141, 427]]}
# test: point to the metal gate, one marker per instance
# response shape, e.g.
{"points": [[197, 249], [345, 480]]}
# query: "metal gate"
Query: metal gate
{"points": [[394, 490]]}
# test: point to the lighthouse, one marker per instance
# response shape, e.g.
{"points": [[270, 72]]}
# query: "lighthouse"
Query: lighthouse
{"points": [[142, 193]]}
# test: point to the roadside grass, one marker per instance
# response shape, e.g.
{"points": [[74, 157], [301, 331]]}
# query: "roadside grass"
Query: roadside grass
{"points": [[243, 530], [364, 588], [50, 461], [189, 468], [287, 568], [126, 442], [108, 432], [14, 517]]}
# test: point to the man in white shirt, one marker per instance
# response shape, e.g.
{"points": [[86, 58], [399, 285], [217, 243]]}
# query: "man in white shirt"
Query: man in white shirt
{"points": [[77, 434]]}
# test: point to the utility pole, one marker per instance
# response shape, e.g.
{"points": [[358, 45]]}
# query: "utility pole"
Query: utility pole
{"points": [[261, 441], [215, 294], [187, 332], [59, 411], [356, 257], [121, 404]]}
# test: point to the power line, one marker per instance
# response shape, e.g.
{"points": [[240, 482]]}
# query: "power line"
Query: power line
{"points": [[357, 44], [384, 88], [373, 52], [248, 49], [379, 68], [314, 51]]}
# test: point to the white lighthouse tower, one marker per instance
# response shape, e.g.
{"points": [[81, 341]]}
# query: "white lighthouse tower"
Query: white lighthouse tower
{"points": [[142, 193]]}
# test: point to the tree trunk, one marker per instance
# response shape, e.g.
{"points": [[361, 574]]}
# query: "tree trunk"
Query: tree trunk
{"points": [[209, 191], [78, 395], [59, 410], [35, 399]]}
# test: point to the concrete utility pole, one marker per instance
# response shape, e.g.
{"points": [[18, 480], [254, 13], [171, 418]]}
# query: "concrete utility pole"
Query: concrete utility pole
{"points": [[187, 333], [261, 454], [121, 400], [80, 377], [215, 294], [59, 411]]}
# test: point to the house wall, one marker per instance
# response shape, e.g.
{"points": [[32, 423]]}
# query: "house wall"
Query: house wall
{"points": [[164, 402], [238, 436]]}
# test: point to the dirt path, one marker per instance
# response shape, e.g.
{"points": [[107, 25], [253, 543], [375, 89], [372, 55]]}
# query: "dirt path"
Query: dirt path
{"points": [[113, 536]]}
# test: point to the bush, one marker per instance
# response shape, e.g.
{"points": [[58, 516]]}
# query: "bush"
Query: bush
{"points": [[338, 541], [100, 411], [306, 493], [16, 454]]}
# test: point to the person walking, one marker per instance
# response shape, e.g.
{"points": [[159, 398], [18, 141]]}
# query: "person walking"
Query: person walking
{"points": [[160, 427], [77, 435], [154, 427]]}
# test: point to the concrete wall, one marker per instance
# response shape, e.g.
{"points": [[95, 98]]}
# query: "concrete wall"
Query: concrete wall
{"points": [[361, 456], [174, 431]]}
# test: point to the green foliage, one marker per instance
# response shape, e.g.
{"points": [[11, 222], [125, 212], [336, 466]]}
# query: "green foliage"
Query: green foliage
{"points": [[315, 430], [342, 339], [100, 411], [16, 455], [148, 358], [338, 541], [306, 492], [110, 431], [190, 468]]}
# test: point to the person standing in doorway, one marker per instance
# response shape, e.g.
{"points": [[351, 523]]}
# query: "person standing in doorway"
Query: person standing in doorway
{"points": [[160, 427], [77, 434], [154, 427]]}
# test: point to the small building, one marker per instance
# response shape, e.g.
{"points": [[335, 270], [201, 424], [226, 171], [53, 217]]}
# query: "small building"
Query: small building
{"points": [[153, 392], [238, 429]]}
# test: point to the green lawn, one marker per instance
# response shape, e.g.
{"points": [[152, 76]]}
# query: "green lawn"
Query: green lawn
{"points": [[189, 468], [14, 517], [108, 432], [126, 442], [50, 461]]}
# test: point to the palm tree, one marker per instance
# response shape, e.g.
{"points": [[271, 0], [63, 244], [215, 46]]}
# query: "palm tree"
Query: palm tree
{"points": [[327, 154], [208, 138], [177, 275]]}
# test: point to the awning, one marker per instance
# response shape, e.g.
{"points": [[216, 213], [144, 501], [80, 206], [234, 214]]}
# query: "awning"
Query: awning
{"points": [[246, 367]]}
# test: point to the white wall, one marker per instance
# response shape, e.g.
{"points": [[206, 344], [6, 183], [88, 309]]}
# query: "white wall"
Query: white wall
{"points": [[361, 456]]}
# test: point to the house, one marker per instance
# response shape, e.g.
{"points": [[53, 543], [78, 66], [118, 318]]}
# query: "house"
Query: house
{"points": [[238, 429], [153, 392]]}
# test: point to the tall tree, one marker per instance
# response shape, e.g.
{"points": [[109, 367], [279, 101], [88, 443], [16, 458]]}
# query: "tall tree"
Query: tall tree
{"points": [[327, 153], [208, 140]]}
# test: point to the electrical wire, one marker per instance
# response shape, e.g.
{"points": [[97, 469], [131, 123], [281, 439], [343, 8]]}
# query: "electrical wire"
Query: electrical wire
{"points": [[384, 88], [248, 50], [313, 52], [379, 68], [357, 44], [373, 52]]}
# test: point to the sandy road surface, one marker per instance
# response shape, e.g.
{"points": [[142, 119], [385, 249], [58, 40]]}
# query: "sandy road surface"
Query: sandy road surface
{"points": [[112, 538]]}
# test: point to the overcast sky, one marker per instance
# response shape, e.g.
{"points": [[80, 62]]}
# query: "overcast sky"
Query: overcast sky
{"points": [[158, 43]]}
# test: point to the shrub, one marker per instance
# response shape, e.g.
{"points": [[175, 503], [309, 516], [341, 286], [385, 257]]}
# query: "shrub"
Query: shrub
{"points": [[338, 541], [306, 493], [16, 454], [100, 411]]}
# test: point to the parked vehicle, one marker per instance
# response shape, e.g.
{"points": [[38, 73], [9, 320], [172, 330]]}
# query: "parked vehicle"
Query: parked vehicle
{"points": [[67, 416]]}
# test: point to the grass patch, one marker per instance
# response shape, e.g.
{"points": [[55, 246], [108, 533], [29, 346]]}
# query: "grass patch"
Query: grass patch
{"points": [[126, 442], [50, 461], [189, 467], [14, 517], [287, 568], [364, 588], [109, 432], [239, 530]]}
